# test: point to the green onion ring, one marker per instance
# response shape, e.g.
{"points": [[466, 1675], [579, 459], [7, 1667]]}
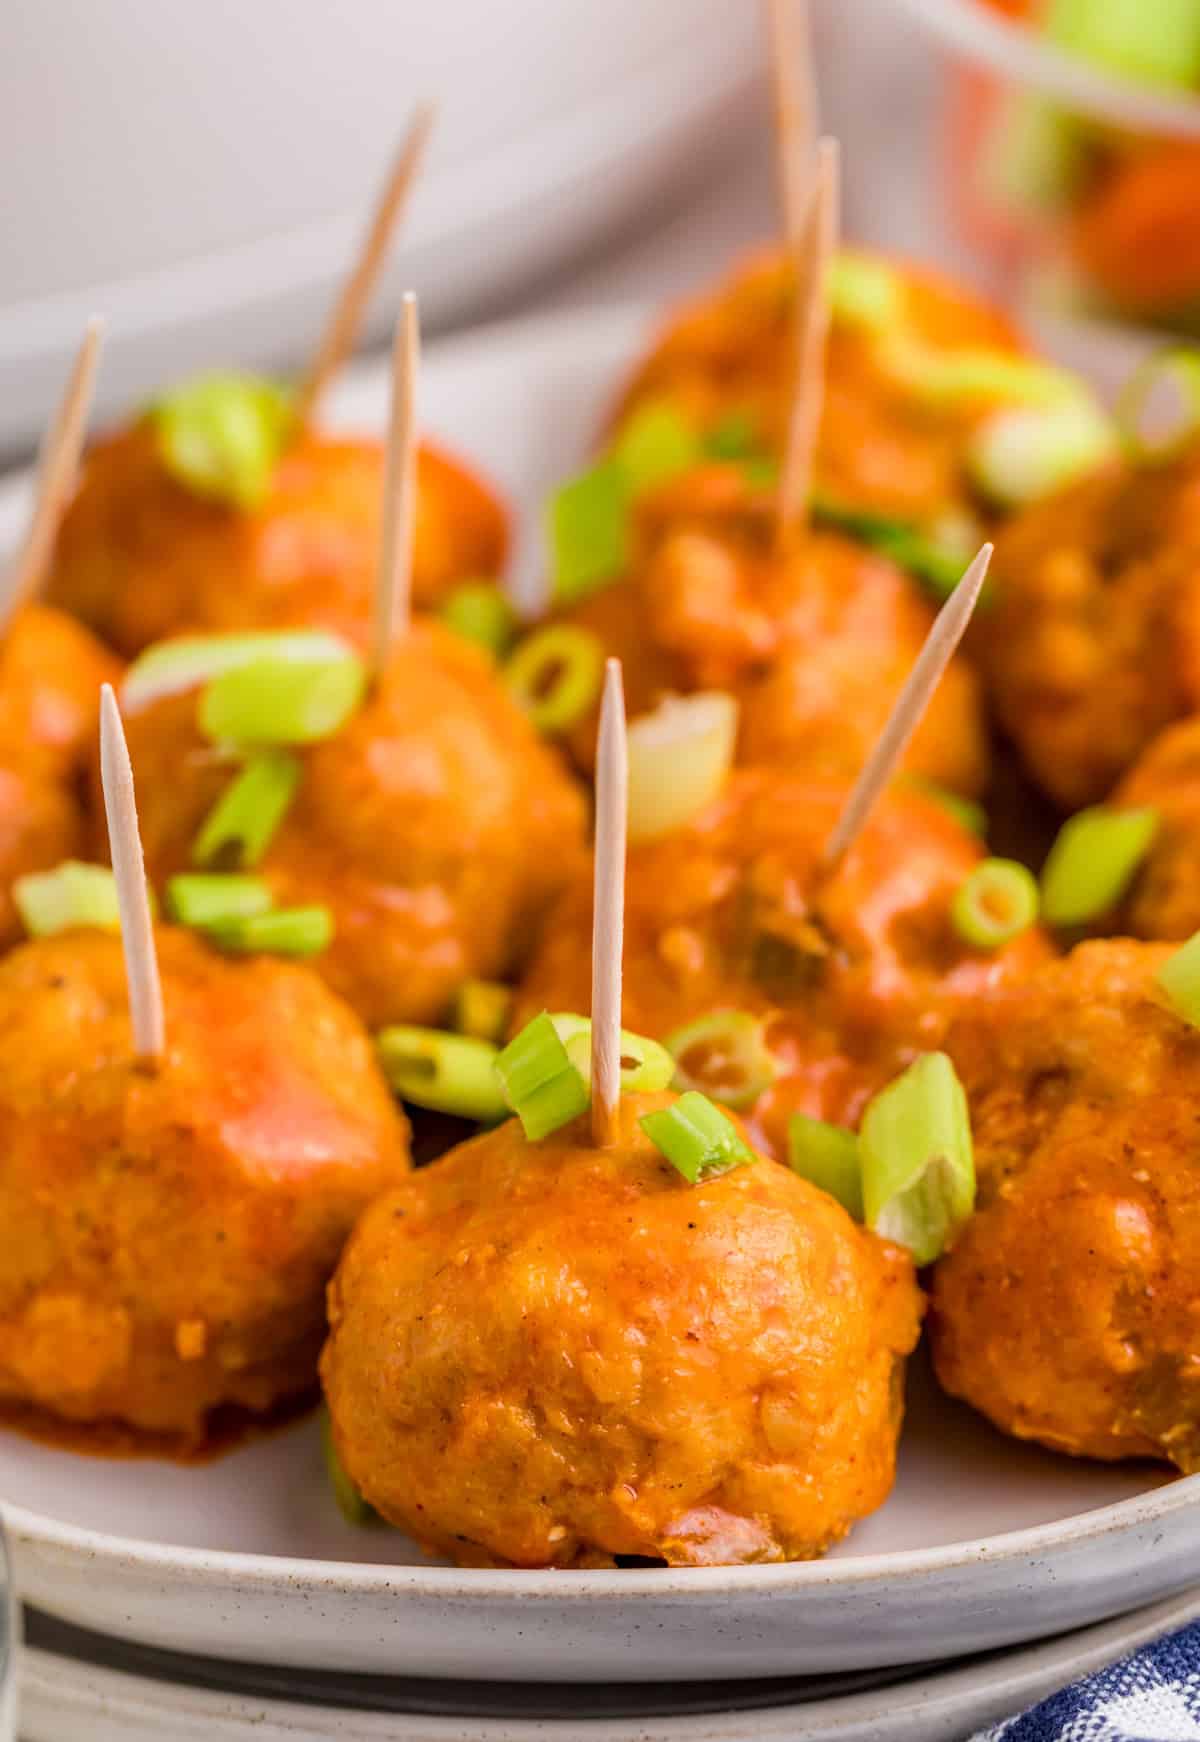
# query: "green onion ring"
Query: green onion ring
{"points": [[555, 675], [697, 1139], [995, 904], [448, 1073], [1177, 366], [735, 1064]]}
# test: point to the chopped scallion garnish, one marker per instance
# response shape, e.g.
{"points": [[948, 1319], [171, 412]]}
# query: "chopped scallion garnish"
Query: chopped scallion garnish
{"points": [[171, 667], [71, 895], [353, 1508], [864, 292], [725, 1055], [679, 757], [589, 531], [1179, 978], [646, 1066], [1093, 861], [555, 675], [286, 931], [995, 904], [1158, 409], [697, 1139], [282, 701], [480, 611], [449, 1073], [1022, 453], [201, 898], [221, 435], [540, 1084], [972, 816], [936, 557], [827, 1156], [239, 828], [939, 377], [482, 1009], [918, 1165], [656, 442]]}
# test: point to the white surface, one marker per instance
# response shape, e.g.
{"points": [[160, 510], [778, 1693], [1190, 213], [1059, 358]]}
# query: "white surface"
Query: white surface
{"points": [[985, 1542], [200, 174], [62, 1702]]}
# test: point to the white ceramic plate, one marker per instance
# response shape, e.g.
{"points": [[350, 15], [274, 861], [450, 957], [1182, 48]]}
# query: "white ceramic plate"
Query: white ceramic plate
{"points": [[984, 1543], [62, 1700]]}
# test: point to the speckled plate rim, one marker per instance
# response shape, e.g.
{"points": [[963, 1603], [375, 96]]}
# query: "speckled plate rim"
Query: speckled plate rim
{"points": [[643, 1585]]}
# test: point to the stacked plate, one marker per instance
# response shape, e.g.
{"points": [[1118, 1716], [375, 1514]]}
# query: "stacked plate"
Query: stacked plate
{"points": [[232, 1599]]}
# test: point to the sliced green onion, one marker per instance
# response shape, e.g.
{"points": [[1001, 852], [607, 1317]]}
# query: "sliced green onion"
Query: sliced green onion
{"points": [[353, 1508], [221, 435], [918, 1165], [171, 667], [200, 899], [71, 895], [697, 1139], [827, 1156], [679, 758], [449, 1073], [646, 1066], [555, 675], [735, 436], [1020, 455], [239, 828], [282, 701], [864, 292], [936, 557], [1155, 41], [965, 811], [1179, 978], [995, 904], [1158, 409], [948, 378], [589, 531], [286, 931], [1093, 860], [656, 442], [482, 1009], [480, 611], [725, 1055], [540, 1084]]}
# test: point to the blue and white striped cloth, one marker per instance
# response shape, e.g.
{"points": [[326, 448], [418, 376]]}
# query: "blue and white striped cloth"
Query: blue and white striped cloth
{"points": [[1152, 1696]]}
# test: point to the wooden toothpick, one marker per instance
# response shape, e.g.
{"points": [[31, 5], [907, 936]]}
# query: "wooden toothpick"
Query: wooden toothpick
{"points": [[812, 332], [608, 916], [944, 636], [133, 900], [393, 582], [341, 330], [57, 469], [790, 34]]}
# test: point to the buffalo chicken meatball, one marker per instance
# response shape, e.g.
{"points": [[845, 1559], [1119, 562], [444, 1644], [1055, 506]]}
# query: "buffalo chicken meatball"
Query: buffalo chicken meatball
{"points": [[435, 826], [551, 1354], [815, 642], [1093, 645], [165, 1237], [140, 556], [1067, 1311], [51, 670], [883, 447], [1164, 898], [853, 972]]}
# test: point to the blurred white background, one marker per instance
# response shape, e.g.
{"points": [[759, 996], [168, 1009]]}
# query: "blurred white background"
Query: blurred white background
{"points": [[200, 174]]}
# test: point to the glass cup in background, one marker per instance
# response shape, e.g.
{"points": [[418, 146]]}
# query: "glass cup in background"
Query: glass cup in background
{"points": [[1076, 191]]}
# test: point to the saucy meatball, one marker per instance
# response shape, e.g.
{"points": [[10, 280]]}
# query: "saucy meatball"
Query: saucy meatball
{"points": [[881, 447], [1067, 1310], [1093, 644], [165, 1238], [51, 670], [550, 1354], [141, 557], [435, 826], [1164, 898], [853, 972], [815, 643]]}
